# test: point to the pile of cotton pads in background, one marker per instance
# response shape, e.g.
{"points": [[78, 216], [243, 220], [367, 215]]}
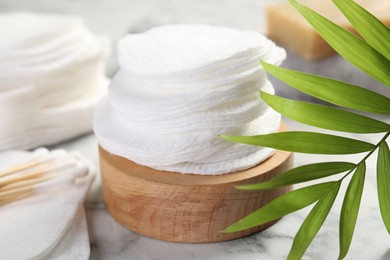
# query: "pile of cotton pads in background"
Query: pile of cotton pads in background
{"points": [[42, 215], [52, 76], [178, 88]]}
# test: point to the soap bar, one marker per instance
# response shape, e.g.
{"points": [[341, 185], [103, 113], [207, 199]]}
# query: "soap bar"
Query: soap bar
{"points": [[289, 29]]}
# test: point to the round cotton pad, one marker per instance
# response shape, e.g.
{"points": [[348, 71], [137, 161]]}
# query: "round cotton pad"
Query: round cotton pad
{"points": [[180, 48], [178, 88], [40, 28], [52, 76]]}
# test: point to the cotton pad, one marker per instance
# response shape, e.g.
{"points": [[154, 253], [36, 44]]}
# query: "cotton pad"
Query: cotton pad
{"points": [[74, 245], [178, 88], [52, 77], [32, 29], [49, 223], [176, 49], [44, 126]]}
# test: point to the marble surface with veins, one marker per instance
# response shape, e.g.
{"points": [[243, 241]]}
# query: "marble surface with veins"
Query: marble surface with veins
{"points": [[109, 240]]}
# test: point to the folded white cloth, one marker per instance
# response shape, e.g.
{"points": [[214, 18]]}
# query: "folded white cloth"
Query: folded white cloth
{"points": [[50, 223], [178, 88], [52, 70]]}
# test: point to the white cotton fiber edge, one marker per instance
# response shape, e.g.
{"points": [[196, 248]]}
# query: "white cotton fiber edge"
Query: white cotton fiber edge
{"points": [[163, 152], [153, 142], [198, 157], [53, 47], [49, 92], [134, 98], [175, 49], [47, 126], [41, 27], [229, 165], [91, 52], [227, 114], [36, 117], [74, 245]]}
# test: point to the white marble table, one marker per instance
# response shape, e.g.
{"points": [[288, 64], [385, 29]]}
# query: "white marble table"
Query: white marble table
{"points": [[109, 240]]}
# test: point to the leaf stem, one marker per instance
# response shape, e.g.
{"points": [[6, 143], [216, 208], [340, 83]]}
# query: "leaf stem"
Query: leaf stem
{"points": [[368, 154]]}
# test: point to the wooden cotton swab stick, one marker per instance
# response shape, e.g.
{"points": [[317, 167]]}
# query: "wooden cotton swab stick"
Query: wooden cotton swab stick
{"points": [[27, 176], [45, 171], [16, 192], [25, 183], [63, 181], [19, 168], [79, 171], [11, 199], [35, 173], [12, 192], [39, 156]]}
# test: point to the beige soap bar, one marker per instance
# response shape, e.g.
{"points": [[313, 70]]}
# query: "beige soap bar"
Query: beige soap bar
{"points": [[289, 29]]}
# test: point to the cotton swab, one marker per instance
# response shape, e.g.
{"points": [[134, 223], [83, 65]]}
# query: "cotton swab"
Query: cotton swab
{"points": [[18, 168], [25, 183], [11, 199], [61, 181], [45, 185], [43, 163], [14, 192], [78, 170], [21, 177], [34, 174], [38, 156], [44, 172]]}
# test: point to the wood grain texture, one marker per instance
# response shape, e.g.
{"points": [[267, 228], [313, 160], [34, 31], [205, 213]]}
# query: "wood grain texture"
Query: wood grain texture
{"points": [[184, 207]]}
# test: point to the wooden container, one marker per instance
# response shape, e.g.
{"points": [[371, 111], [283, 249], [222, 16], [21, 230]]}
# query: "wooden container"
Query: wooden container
{"points": [[185, 207]]}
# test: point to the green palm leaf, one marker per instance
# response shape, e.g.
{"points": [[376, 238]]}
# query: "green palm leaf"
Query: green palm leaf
{"points": [[350, 209], [301, 174], [331, 90], [305, 142], [361, 55], [369, 27], [324, 116], [373, 57], [313, 223], [283, 205], [383, 179]]}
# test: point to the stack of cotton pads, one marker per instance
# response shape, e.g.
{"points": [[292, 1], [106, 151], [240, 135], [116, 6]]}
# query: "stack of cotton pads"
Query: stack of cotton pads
{"points": [[178, 88], [52, 76]]}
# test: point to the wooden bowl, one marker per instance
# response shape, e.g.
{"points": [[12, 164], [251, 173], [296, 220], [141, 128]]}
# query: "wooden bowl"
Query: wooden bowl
{"points": [[185, 207]]}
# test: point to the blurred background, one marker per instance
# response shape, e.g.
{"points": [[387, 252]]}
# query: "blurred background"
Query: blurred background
{"points": [[115, 18]]}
